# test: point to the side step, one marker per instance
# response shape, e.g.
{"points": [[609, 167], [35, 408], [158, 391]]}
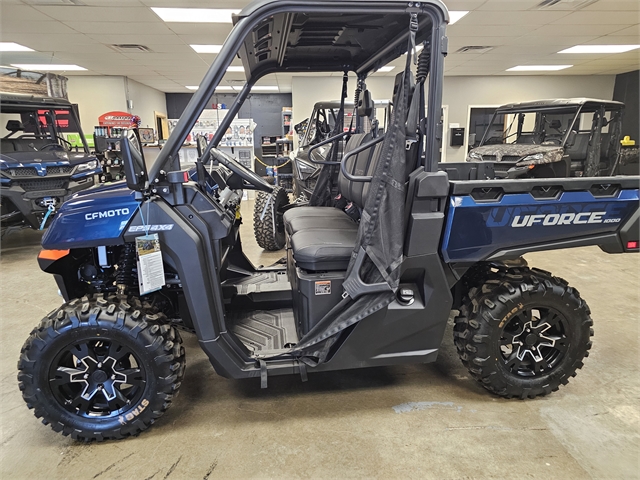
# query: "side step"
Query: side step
{"points": [[264, 330]]}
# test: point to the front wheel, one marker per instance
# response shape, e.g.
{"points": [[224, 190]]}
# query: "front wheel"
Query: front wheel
{"points": [[268, 223], [101, 368], [523, 333]]}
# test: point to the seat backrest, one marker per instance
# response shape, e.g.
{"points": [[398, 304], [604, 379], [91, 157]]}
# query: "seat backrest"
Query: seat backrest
{"points": [[362, 164], [578, 151]]}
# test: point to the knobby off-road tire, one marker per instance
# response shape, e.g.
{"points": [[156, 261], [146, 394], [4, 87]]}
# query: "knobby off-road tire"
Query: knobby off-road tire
{"points": [[101, 368], [523, 333], [269, 228]]}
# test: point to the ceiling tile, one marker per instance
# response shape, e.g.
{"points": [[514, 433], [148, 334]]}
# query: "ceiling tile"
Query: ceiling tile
{"points": [[104, 14], [132, 28], [611, 17], [20, 13], [51, 27]]}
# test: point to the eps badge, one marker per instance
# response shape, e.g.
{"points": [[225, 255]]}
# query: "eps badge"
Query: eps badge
{"points": [[150, 266]]}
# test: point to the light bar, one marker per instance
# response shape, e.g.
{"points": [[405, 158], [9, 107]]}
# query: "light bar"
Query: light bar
{"points": [[235, 68], [14, 47], [600, 49], [195, 15], [206, 48], [47, 67], [265, 88], [385, 69], [455, 15], [538, 68], [192, 87]]}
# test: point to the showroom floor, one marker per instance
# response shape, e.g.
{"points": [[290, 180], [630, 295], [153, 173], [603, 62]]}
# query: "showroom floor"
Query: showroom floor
{"points": [[417, 421]]}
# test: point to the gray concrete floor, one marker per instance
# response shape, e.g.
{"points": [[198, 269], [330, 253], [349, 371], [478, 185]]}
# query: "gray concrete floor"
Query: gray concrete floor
{"points": [[417, 421]]}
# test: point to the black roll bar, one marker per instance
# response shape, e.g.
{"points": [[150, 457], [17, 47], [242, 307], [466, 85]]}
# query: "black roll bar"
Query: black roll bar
{"points": [[355, 151], [323, 143]]}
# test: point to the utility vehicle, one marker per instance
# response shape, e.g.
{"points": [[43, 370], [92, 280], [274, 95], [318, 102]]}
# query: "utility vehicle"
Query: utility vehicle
{"points": [[109, 362], [39, 167], [309, 158], [553, 138]]}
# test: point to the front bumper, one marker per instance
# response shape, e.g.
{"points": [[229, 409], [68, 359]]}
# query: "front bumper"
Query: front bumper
{"points": [[31, 196]]}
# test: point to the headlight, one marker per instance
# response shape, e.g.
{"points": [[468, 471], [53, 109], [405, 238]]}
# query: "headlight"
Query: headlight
{"points": [[83, 167], [532, 158], [473, 156]]}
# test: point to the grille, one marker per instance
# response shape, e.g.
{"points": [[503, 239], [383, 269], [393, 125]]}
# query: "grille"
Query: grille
{"points": [[42, 184], [23, 172], [59, 170]]}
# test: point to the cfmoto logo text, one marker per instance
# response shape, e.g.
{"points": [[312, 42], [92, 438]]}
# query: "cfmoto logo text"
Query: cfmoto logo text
{"points": [[558, 219], [107, 214]]}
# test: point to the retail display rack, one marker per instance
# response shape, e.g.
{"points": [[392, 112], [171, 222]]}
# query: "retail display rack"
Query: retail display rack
{"points": [[108, 153]]}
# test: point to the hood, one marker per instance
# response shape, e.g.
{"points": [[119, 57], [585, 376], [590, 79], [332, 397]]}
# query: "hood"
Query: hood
{"points": [[517, 153], [43, 158]]}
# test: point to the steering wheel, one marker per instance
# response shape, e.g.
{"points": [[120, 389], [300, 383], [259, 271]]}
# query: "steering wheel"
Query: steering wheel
{"points": [[252, 178]]}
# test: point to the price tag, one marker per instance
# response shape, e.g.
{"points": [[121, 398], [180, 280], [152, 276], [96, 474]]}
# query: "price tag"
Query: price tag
{"points": [[150, 267]]}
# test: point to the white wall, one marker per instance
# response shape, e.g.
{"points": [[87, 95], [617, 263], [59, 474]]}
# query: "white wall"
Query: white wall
{"points": [[96, 95], [146, 101], [460, 92]]}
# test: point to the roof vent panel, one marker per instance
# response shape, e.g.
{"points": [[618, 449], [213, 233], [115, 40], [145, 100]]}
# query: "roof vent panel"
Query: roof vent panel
{"points": [[564, 4], [474, 49], [130, 48]]}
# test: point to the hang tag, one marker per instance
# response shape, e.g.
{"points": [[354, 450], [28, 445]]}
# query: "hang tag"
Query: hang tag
{"points": [[150, 267]]}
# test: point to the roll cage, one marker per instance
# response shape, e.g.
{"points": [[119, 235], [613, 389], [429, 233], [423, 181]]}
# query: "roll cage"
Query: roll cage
{"points": [[575, 107], [320, 36]]}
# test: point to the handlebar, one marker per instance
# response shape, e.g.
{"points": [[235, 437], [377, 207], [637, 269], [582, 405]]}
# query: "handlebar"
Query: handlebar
{"points": [[324, 142], [355, 151]]}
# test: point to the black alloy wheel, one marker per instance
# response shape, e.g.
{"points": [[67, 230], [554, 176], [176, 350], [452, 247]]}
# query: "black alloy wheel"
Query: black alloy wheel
{"points": [[522, 332]]}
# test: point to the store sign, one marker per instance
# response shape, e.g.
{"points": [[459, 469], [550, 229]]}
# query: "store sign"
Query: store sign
{"points": [[115, 119]]}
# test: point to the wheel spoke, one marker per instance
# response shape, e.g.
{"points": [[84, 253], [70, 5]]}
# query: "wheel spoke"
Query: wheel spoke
{"points": [[82, 404], [83, 350], [539, 366], [118, 351], [551, 320], [513, 362], [561, 344], [66, 375], [507, 338], [134, 376]]}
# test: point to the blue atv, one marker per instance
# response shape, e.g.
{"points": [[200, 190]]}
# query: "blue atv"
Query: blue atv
{"points": [[39, 167], [141, 261]]}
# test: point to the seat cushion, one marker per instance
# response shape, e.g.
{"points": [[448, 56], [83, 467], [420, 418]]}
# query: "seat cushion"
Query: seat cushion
{"points": [[304, 218], [323, 249]]}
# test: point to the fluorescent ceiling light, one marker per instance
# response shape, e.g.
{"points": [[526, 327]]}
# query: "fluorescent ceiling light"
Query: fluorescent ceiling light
{"points": [[14, 47], [455, 15], [195, 15], [235, 68], [222, 88], [600, 49], [264, 88], [538, 68], [386, 69], [47, 67], [206, 48]]}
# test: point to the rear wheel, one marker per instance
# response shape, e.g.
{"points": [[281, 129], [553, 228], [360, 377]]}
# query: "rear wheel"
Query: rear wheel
{"points": [[99, 369], [268, 223], [523, 333]]}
